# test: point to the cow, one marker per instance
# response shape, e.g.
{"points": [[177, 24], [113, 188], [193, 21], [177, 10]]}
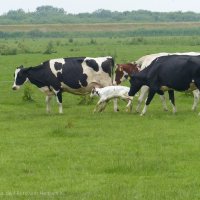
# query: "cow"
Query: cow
{"points": [[146, 60], [122, 74], [123, 71], [77, 75], [110, 92], [172, 72]]}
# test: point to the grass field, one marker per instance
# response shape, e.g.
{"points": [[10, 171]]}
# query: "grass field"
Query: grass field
{"points": [[106, 156], [97, 27]]}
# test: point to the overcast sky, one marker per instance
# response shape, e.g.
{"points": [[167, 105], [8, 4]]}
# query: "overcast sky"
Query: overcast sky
{"points": [[79, 6]]}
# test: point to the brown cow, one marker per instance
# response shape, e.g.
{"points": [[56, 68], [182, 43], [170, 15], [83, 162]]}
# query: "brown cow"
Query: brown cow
{"points": [[123, 71]]}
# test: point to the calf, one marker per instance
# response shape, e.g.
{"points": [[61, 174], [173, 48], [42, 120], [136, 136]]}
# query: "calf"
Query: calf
{"points": [[173, 72], [107, 93]]}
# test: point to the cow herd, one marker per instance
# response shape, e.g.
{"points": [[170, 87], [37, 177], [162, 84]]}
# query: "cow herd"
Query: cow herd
{"points": [[151, 74]]}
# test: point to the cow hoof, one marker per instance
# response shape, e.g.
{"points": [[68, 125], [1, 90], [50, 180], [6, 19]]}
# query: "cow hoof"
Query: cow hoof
{"points": [[193, 108]]}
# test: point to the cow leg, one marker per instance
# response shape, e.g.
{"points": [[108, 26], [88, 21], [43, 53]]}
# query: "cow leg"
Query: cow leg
{"points": [[100, 106], [197, 83], [196, 94], [128, 100], [115, 105], [48, 99], [103, 106], [162, 98], [172, 100], [129, 105], [97, 107], [148, 101], [143, 95], [59, 100]]}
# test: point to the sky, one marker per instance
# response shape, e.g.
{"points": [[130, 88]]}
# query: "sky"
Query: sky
{"points": [[80, 6]]}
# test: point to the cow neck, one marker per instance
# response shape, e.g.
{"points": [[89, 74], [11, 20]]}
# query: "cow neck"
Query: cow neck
{"points": [[36, 75], [131, 70]]}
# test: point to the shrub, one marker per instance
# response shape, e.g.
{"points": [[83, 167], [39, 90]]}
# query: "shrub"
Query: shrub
{"points": [[71, 40], [49, 48], [6, 50], [92, 41], [28, 93], [23, 48]]}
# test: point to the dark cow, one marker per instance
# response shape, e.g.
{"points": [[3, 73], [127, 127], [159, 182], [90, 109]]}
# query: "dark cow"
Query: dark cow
{"points": [[123, 71], [173, 72], [75, 75]]}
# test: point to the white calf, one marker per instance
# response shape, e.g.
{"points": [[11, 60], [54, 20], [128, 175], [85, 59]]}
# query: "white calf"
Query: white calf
{"points": [[111, 92]]}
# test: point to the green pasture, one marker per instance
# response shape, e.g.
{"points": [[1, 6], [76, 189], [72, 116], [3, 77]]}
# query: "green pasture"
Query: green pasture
{"points": [[104, 156]]}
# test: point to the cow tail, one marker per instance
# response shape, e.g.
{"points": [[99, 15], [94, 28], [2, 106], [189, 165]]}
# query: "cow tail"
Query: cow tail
{"points": [[112, 70]]}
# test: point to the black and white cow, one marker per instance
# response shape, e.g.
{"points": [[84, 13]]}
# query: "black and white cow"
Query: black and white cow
{"points": [[75, 75], [172, 72]]}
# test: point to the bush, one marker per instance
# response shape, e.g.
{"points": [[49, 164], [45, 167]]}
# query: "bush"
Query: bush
{"points": [[92, 41], [71, 40], [58, 43], [49, 48], [6, 50], [23, 48], [28, 93]]}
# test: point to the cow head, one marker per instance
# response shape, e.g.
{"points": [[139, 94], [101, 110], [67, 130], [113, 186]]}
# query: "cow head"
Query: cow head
{"points": [[20, 77], [123, 71], [94, 92], [136, 81]]}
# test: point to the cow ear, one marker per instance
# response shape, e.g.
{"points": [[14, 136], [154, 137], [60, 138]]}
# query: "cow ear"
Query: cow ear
{"points": [[20, 67]]}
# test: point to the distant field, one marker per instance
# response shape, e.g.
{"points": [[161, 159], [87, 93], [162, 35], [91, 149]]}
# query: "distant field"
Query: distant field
{"points": [[102, 156], [122, 49], [96, 27]]}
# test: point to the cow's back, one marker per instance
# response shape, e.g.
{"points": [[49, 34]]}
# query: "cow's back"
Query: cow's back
{"points": [[174, 71], [77, 75]]}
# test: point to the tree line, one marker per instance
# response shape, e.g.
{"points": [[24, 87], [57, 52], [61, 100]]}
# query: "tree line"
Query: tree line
{"points": [[52, 15]]}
